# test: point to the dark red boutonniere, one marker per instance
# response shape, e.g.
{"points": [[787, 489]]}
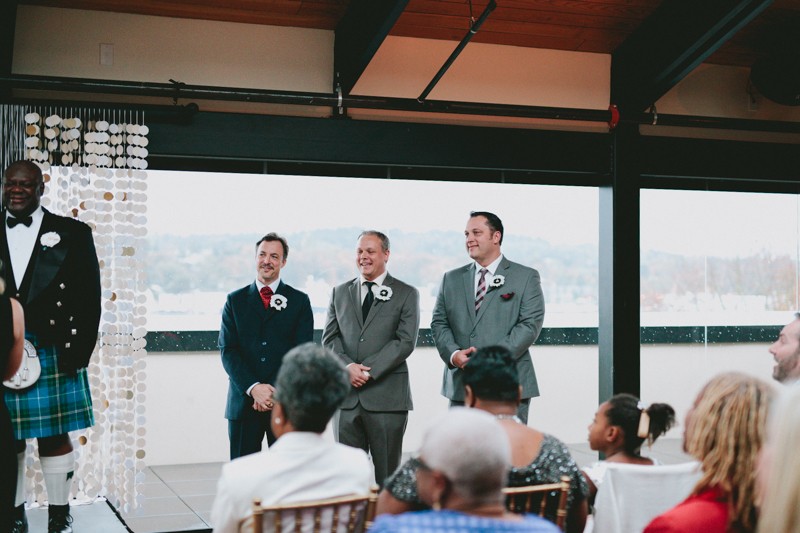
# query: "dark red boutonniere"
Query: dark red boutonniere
{"points": [[507, 296]]}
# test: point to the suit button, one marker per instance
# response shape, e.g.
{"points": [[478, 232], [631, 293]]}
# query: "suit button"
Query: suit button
{"points": [[264, 343], [263, 359], [52, 322], [472, 335], [361, 340]]}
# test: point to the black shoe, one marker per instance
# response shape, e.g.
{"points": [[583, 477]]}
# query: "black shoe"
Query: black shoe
{"points": [[59, 519], [19, 522]]}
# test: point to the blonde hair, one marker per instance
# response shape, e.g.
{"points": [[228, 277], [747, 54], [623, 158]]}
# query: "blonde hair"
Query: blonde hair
{"points": [[724, 432], [780, 510]]}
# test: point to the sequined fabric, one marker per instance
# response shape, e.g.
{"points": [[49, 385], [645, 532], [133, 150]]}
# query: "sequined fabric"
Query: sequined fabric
{"points": [[552, 462]]}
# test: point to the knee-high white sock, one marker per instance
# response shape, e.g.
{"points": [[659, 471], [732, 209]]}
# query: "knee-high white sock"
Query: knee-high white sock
{"points": [[19, 499], [58, 472]]}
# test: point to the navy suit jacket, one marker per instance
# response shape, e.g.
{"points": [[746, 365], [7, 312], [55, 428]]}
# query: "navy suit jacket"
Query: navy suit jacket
{"points": [[253, 340], [60, 291]]}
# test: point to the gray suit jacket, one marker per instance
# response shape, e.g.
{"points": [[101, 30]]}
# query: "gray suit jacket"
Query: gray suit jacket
{"points": [[511, 315], [382, 342]]}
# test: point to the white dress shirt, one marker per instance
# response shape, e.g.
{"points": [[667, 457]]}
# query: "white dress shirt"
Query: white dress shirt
{"points": [[21, 240], [377, 281], [492, 268], [300, 466]]}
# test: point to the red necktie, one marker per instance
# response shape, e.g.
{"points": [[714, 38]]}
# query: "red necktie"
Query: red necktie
{"points": [[266, 296]]}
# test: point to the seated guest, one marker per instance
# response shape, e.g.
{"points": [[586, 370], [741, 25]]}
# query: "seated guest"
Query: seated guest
{"points": [[618, 430], [301, 465], [461, 471], [779, 466], [724, 431], [492, 384]]}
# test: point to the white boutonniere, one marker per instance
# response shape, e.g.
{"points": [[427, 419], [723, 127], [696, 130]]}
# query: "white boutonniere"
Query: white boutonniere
{"points": [[382, 292], [496, 281], [50, 239], [278, 302]]}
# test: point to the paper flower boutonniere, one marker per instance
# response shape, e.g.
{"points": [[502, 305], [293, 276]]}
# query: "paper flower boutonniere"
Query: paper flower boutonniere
{"points": [[507, 296], [496, 281], [278, 302], [382, 293], [50, 239]]}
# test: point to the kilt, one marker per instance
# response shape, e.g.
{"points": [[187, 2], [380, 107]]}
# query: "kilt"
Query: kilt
{"points": [[55, 405]]}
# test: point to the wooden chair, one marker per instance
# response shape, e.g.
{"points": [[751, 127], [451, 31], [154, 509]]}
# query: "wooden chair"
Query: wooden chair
{"points": [[350, 514], [547, 497]]}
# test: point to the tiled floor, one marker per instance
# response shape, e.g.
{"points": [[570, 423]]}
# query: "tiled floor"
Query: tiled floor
{"points": [[179, 497]]}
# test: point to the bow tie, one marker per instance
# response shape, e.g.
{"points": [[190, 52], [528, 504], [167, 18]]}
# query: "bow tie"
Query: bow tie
{"points": [[13, 221]]}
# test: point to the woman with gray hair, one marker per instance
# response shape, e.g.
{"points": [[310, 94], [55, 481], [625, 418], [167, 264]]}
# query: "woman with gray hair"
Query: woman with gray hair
{"points": [[463, 488], [301, 465]]}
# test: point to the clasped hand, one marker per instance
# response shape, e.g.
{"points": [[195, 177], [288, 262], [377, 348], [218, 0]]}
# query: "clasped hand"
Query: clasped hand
{"points": [[461, 357], [262, 397], [359, 374]]}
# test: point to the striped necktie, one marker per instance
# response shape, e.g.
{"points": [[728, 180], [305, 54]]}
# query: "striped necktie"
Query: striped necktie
{"points": [[481, 292]]}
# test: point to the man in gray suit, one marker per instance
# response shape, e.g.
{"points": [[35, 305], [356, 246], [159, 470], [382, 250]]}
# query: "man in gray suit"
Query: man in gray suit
{"points": [[372, 324], [486, 302]]}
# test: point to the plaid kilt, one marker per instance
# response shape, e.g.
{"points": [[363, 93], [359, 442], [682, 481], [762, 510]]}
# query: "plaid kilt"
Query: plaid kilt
{"points": [[56, 404]]}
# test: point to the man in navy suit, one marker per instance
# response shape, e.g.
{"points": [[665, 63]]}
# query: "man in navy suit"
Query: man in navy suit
{"points": [[260, 323], [50, 266]]}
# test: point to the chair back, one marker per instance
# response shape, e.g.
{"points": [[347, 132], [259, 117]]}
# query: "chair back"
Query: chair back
{"points": [[546, 500], [630, 496], [346, 514]]}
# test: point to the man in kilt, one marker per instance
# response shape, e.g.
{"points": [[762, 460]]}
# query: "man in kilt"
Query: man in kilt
{"points": [[50, 266]]}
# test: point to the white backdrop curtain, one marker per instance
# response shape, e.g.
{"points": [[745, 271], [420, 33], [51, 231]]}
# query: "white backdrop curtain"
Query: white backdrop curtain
{"points": [[95, 162]]}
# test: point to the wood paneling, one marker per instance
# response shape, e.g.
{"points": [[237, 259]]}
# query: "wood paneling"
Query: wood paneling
{"points": [[577, 25]]}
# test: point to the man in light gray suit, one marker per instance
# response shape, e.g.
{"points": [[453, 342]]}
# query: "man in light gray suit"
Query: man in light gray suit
{"points": [[372, 324], [486, 302]]}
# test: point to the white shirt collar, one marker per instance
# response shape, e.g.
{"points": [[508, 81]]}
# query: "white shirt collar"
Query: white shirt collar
{"points": [[492, 267], [274, 285], [378, 281]]}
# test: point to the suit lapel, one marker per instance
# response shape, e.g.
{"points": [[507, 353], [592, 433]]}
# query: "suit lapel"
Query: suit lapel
{"points": [[469, 291], [355, 299], [5, 256], [377, 304], [45, 262], [491, 293], [255, 302], [270, 312]]}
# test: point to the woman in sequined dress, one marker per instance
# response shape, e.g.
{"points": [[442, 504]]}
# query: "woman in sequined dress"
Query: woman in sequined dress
{"points": [[492, 385]]}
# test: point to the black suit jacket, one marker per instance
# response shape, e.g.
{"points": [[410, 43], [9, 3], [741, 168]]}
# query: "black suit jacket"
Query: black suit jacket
{"points": [[60, 291], [253, 340]]}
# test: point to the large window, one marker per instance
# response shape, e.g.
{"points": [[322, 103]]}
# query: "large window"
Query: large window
{"points": [[203, 228], [719, 271]]}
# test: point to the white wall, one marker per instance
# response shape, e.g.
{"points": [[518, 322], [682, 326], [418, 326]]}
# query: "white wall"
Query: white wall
{"points": [[186, 393]]}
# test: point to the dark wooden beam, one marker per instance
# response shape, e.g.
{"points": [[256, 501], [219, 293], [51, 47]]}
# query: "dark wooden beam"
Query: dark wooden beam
{"points": [[8, 23], [358, 36], [670, 43]]}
